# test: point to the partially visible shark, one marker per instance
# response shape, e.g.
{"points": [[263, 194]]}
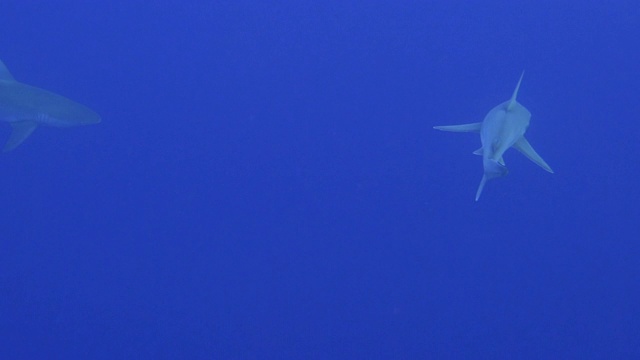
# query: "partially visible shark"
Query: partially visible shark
{"points": [[502, 128], [26, 107]]}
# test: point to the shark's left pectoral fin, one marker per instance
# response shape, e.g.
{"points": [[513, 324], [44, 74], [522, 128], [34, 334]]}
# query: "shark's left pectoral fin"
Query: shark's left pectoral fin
{"points": [[525, 148], [21, 131], [474, 127]]}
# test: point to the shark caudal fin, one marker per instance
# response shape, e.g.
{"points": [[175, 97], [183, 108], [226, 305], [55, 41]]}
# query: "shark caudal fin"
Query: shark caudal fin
{"points": [[481, 186], [475, 127]]}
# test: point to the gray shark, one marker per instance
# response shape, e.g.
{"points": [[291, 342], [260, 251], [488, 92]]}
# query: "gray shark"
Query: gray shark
{"points": [[502, 128], [26, 107]]}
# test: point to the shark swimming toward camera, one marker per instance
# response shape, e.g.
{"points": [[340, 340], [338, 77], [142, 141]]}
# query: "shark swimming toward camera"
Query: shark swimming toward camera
{"points": [[502, 128], [26, 107]]}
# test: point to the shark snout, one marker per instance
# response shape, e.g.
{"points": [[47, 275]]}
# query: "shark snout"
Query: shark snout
{"points": [[94, 118], [79, 115]]}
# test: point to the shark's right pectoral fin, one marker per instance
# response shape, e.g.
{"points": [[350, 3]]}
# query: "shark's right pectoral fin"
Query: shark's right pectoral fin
{"points": [[475, 127], [525, 148], [21, 131]]}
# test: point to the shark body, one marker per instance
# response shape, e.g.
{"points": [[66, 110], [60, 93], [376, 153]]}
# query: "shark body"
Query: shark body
{"points": [[502, 128], [26, 107]]}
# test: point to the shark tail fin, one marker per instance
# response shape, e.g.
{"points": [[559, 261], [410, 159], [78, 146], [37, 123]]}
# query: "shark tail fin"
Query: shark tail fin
{"points": [[481, 186], [474, 127], [512, 102]]}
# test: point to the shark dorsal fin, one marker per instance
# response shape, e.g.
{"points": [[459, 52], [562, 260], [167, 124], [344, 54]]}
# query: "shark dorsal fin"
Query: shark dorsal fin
{"points": [[5, 75], [512, 102]]}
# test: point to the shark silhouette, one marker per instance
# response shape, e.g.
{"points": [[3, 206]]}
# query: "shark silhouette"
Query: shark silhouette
{"points": [[502, 128], [26, 107]]}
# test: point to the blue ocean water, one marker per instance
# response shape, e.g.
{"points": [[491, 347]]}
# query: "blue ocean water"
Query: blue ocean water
{"points": [[266, 182]]}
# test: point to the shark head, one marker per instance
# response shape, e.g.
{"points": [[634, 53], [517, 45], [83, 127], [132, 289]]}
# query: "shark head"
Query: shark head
{"points": [[26, 107], [82, 115], [66, 113]]}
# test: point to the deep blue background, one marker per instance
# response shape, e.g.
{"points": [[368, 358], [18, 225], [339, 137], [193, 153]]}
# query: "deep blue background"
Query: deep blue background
{"points": [[266, 182]]}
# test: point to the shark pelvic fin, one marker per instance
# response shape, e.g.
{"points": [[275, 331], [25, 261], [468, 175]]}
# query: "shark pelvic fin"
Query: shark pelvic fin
{"points": [[481, 153], [512, 102], [21, 131], [525, 148], [5, 75], [474, 127], [492, 169]]}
